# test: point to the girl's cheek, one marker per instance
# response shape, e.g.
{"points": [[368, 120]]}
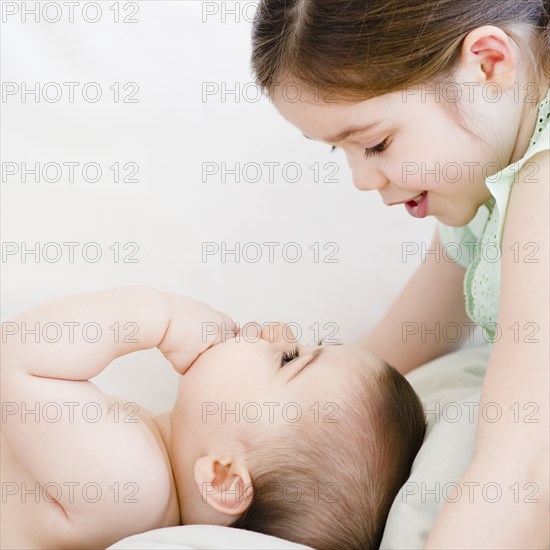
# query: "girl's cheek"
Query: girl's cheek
{"points": [[407, 175]]}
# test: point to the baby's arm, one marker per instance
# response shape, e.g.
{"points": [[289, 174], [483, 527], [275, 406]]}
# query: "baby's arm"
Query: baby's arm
{"points": [[87, 442]]}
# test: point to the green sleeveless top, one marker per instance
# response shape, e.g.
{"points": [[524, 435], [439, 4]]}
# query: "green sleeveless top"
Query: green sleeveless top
{"points": [[477, 245]]}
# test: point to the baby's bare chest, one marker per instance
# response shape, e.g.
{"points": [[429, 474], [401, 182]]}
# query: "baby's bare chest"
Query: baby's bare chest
{"points": [[31, 517]]}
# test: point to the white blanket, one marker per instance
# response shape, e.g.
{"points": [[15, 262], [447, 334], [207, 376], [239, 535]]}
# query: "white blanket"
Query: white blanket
{"points": [[211, 537]]}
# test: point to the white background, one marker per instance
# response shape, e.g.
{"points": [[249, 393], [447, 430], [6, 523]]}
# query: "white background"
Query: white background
{"points": [[170, 53]]}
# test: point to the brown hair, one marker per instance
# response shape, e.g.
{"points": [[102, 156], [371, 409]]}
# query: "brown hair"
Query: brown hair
{"points": [[360, 49], [331, 485]]}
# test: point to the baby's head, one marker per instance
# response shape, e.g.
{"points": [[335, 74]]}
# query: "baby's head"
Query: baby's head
{"points": [[312, 449]]}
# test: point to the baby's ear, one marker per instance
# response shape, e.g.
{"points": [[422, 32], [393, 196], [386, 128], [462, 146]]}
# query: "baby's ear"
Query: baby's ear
{"points": [[225, 486]]}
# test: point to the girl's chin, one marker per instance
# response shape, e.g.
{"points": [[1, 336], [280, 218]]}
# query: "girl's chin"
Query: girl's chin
{"points": [[453, 218]]}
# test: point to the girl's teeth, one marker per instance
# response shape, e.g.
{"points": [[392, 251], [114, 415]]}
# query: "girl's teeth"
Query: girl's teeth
{"points": [[419, 199]]}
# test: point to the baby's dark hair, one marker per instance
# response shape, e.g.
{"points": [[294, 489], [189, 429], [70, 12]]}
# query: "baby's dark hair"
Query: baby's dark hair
{"points": [[330, 485]]}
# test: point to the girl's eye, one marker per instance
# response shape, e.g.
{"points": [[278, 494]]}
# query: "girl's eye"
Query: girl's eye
{"points": [[371, 151], [286, 357], [377, 149]]}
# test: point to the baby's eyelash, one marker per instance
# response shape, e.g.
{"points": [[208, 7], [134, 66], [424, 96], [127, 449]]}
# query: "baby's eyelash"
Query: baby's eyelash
{"points": [[286, 357], [370, 151]]}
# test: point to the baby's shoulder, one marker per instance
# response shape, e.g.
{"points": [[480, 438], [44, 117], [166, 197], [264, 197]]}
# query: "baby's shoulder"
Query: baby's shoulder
{"points": [[124, 486], [142, 487], [129, 412], [137, 474]]}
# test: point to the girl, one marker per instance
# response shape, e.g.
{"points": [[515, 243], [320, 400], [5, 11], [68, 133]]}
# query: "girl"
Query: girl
{"points": [[443, 106]]}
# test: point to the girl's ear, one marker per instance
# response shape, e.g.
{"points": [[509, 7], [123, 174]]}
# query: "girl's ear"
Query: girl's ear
{"points": [[225, 486], [489, 55]]}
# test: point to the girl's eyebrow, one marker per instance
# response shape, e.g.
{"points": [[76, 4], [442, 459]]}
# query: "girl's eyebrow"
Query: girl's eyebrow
{"points": [[349, 132], [310, 361]]}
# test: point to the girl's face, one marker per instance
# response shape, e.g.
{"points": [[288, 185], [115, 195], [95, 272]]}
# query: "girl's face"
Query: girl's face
{"points": [[416, 146]]}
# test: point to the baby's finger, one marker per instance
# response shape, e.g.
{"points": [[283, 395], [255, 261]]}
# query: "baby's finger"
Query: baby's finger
{"points": [[228, 327], [251, 331], [279, 332]]}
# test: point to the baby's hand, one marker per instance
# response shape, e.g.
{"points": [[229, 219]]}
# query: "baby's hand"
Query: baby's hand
{"points": [[194, 327]]}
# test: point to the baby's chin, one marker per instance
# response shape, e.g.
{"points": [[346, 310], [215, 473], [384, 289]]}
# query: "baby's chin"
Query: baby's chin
{"points": [[188, 388]]}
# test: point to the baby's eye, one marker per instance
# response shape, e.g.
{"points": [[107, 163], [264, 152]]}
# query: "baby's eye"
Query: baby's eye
{"points": [[286, 357]]}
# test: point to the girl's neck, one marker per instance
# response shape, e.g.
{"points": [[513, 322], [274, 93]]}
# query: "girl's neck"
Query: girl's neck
{"points": [[527, 126]]}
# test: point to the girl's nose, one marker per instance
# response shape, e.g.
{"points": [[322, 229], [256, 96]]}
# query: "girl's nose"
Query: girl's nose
{"points": [[366, 176], [369, 182]]}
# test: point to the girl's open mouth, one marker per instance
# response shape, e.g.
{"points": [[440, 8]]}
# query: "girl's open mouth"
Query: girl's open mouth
{"points": [[418, 207]]}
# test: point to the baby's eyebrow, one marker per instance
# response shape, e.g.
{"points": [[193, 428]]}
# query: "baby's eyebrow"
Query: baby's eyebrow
{"points": [[314, 355], [322, 343]]}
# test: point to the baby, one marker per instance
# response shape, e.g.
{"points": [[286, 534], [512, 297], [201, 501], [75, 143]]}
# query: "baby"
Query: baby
{"points": [[307, 443]]}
